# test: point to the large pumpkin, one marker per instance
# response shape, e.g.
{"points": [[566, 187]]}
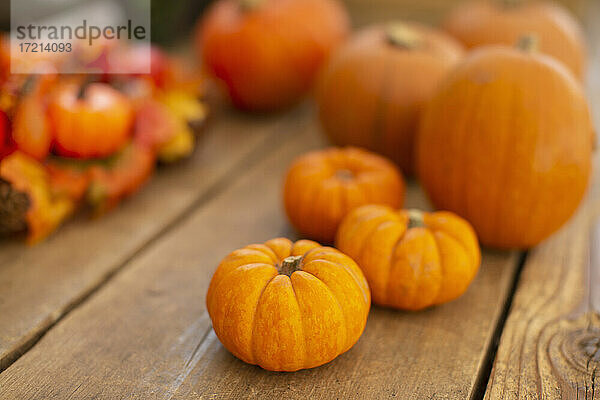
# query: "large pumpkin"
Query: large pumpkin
{"points": [[267, 52], [322, 186], [477, 23], [411, 259], [374, 87], [287, 306], [506, 143]]}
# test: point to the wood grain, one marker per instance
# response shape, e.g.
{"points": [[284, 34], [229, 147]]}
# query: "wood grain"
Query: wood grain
{"points": [[39, 285], [146, 333]]}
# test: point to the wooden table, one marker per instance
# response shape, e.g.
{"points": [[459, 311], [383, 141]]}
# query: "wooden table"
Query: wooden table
{"points": [[114, 308]]}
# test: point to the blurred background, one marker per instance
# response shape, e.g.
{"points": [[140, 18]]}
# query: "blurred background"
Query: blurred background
{"points": [[173, 20]]}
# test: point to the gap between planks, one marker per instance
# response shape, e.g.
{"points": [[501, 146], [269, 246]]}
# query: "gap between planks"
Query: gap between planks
{"points": [[488, 363]]}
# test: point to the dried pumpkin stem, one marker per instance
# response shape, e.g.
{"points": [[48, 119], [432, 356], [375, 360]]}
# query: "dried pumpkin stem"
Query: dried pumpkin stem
{"points": [[28, 85], [402, 35], [415, 219], [528, 43], [289, 265], [249, 5], [344, 174], [85, 84], [510, 3]]}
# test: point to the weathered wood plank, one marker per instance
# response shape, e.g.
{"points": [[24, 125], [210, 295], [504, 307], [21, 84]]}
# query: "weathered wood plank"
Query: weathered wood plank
{"points": [[146, 333], [550, 345], [38, 285]]}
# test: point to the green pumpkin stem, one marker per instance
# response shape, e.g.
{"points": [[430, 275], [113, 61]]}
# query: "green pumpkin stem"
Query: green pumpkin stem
{"points": [[29, 85], [528, 43], [249, 5], [402, 35], [415, 219], [511, 3], [289, 265], [85, 84], [344, 174]]}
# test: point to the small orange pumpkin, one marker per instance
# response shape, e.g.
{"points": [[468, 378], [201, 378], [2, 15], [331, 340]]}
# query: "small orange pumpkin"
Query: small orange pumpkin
{"points": [[411, 259], [287, 306], [322, 186], [477, 23], [93, 120], [267, 52], [506, 143], [374, 87]]}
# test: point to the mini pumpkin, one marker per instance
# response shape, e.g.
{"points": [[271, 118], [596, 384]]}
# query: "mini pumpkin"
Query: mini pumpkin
{"points": [[477, 23], [411, 259], [287, 306], [322, 186], [93, 120], [374, 87], [268, 52], [506, 143]]}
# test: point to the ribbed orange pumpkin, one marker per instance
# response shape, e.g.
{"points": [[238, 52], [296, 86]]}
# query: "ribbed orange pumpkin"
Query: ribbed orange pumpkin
{"points": [[268, 52], [506, 143], [287, 306], [90, 121], [477, 23], [322, 186], [411, 259], [374, 87]]}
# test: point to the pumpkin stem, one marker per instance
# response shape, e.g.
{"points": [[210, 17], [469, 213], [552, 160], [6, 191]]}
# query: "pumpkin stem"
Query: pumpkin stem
{"points": [[249, 5], [289, 265], [510, 3], [85, 84], [402, 35], [344, 174], [528, 43], [415, 219], [29, 84]]}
